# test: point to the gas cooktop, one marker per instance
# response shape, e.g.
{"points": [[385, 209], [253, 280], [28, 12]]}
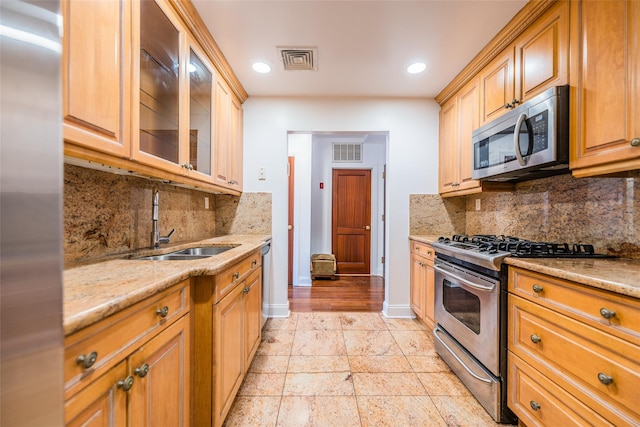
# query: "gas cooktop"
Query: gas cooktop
{"points": [[490, 250]]}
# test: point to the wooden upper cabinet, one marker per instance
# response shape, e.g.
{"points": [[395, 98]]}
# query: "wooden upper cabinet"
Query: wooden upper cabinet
{"points": [[497, 87], [542, 53], [535, 61], [159, 67], [605, 78], [96, 57], [459, 117], [228, 138]]}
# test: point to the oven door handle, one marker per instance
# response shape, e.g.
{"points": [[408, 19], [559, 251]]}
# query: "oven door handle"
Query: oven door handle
{"points": [[453, 353], [464, 281]]}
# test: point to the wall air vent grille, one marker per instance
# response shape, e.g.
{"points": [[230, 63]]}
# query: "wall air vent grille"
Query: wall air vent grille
{"points": [[351, 153], [298, 58]]}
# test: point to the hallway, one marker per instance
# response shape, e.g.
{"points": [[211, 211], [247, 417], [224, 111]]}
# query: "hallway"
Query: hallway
{"points": [[351, 369]]}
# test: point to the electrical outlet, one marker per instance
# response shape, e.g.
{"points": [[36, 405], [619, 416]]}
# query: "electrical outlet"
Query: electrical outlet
{"points": [[206, 203], [262, 174], [477, 204]]}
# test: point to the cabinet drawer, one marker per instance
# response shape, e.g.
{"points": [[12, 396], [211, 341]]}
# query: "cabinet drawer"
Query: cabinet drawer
{"points": [[227, 279], [113, 338], [583, 303], [538, 401], [423, 249], [577, 356]]}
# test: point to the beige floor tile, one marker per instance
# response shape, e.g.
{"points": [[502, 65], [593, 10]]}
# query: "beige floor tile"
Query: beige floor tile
{"points": [[403, 324], [276, 343], [253, 411], [443, 384], [362, 321], [428, 364], [266, 364], [388, 384], [396, 411], [379, 364], [319, 320], [282, 323], [318, 411], [415, 343], [318, 343], [319, 384], [371, 343], [318, 364], [463, 411], [255, 384]]}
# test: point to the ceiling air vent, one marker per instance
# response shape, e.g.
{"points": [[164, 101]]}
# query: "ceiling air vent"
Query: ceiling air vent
{"points": [[298, 58], [347, 153]]}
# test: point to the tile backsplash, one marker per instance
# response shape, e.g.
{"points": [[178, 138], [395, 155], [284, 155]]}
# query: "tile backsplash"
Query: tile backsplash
{"points": [[107, 214], [599, 211]]}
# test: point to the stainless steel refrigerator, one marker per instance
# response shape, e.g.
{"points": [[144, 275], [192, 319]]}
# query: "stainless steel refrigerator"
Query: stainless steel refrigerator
{"points": [[31, 162]]}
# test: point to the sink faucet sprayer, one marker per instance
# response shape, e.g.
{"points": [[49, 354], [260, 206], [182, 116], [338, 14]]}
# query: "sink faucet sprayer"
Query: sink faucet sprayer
{"points": [[156, 239]]}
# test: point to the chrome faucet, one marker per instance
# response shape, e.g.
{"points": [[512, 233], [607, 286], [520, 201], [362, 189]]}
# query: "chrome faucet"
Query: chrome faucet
{"points": [[156, 239]]}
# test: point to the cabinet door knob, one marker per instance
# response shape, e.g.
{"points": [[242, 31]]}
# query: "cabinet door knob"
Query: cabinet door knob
{"points": [[607, 314], [246, 290], [162, 312], [635, 142], [87, 360], [535, 338], [534, 405], [254, 263], [507, 106], [537, 288], [604, 378], [142, 371], [126, 383], [236, 275]]}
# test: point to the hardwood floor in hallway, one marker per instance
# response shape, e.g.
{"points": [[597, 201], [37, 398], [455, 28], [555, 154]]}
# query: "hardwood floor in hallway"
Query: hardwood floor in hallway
{"points": [[346, 293]]}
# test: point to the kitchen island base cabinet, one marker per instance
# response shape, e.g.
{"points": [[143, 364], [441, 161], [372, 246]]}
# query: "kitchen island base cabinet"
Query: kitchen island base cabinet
{"points": [[227, 332]]}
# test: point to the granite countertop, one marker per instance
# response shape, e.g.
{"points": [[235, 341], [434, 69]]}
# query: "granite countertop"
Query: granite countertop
{"points": [[425, 238], [618, 275], [93, 292]]}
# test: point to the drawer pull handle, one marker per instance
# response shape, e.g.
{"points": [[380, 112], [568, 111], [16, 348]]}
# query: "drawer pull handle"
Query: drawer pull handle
{"points": [[607, 314], [535, 338], [534, 405], [142, 371], [604, 378], [537, 288], [87, 361], [246, 290], [254, 263], [126, 383], [236, 275], [162, 312]]}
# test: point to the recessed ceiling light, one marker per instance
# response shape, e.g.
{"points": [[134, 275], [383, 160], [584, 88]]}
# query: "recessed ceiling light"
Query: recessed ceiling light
{"points": [[261, 67], [418, 67]]}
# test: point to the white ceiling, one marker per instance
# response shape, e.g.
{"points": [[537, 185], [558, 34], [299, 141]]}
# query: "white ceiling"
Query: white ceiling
{"points": [[364, 47]]}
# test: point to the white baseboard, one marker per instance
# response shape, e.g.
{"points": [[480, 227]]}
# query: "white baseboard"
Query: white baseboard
{"points": [[397, 311], [279, 310]]}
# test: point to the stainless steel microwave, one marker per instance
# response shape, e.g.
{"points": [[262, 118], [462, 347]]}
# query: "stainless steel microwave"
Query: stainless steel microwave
{"points": [[531, 141]]}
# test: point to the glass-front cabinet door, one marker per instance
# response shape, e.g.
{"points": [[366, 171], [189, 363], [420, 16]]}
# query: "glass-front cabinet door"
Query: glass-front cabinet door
{"points": [[160, 65], [198, 152]]}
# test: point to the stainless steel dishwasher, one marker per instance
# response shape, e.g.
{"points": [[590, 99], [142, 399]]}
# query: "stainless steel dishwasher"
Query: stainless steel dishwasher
{"points": [[266, 281]]}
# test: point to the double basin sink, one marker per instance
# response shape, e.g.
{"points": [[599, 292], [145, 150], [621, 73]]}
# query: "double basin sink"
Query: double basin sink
{"points": [[188, 254]]}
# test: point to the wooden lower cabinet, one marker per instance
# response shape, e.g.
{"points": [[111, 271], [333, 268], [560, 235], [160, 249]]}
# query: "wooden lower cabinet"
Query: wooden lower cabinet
{"points": [[573, 353], [227, 333], [422, 278], [140, 374]]}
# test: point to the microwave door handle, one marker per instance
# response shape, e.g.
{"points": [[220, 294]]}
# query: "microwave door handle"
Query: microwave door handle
{"points": [[516, 139]]}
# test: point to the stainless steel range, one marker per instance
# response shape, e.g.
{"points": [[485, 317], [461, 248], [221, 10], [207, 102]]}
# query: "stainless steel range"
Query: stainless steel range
{"points": [[471, 308]]}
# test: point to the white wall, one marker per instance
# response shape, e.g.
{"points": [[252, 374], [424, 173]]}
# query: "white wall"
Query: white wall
{"points": [[412, 158]]}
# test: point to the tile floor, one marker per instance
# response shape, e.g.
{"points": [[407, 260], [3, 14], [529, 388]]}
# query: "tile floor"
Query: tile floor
{"points": [[351, 369]]}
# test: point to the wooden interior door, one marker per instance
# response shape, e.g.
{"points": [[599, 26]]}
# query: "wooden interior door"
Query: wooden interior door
{"points": [[290, 226], [351, 220]]}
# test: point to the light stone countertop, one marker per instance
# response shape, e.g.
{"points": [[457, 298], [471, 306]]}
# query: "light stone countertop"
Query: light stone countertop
{"points": [[620, 275], [93, 292], [425, 238]]}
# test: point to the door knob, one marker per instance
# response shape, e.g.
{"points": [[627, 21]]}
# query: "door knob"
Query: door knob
{"points": [[366, 227], [289, 227]]}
